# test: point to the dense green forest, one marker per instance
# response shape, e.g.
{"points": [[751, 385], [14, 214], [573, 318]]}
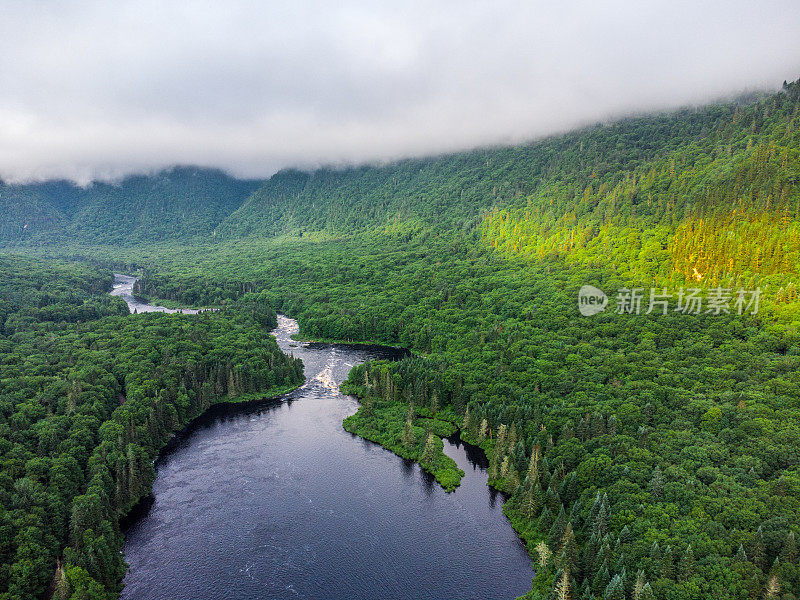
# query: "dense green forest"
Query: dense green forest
{"points": [[646, 455], [88, 396], [182, 202]]}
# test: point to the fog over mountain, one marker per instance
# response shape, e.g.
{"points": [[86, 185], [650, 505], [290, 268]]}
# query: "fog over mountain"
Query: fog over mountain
{"points": [[97, 89]]}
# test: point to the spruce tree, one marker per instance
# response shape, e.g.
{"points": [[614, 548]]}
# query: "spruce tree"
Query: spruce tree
{"points": [[615, 590], [687, 564], [429, 454], [667, 564], [558, 528], [740, 556], [466, 424], [789, 550], [533, 466], [657, 484], [543, 553], [482, 431], [647, 593]]}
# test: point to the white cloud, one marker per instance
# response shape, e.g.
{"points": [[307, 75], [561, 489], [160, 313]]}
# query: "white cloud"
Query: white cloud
{"points": [[97, 89]]}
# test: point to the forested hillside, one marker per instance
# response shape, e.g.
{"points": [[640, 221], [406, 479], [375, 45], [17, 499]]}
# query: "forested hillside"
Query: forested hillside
{"points": [[88, 396], [647, 454], [183, 202]]}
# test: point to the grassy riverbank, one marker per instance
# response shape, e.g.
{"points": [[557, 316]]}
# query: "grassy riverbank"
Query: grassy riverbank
{"points": [[415, 434]]}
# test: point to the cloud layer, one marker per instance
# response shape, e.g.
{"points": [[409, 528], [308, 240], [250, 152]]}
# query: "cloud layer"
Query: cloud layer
{"points": [[98, 89]]}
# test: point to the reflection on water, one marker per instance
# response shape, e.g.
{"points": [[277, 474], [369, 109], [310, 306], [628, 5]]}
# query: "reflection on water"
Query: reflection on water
{"points": [[277, 500]]}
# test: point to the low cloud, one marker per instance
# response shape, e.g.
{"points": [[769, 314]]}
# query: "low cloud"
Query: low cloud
{"points": [[100, 89]]}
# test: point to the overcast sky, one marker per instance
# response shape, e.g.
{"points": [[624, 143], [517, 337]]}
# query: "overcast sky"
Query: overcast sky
{"points": [[99, 89]]}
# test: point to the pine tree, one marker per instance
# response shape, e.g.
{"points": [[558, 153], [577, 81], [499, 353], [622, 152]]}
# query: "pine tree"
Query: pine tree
{"points": [[504, 467], [62, 587], [569, 549], [544, 553], [562, 588], [687, 564], [482, 431], [409, 438], [667, 564], [601, 580], [545, 520], [429, 454], [657, 483], [625, 535], [466, 424], [655, 552], [740, 555], [512, 481], [598, 499], [773, 588], [758, 553], [500, 441], [533, 466], [600, 525], [367, 406], [638, 586], [647, 593], [615, 590], [789, 550], [512, 435], [558, 528]]}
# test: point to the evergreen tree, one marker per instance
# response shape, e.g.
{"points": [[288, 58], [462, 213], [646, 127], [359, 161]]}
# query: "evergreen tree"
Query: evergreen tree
{"points": [[773, 588], [466, 424], [638, 585], [740, 555], [758, 551], [429, 454], [686, 568], [562, 588], [615, 590], [545, 520], [533, 467], [482, 431], [667, 564], [789, 551], [543, 553], [558, 528], [647, 593], [657, 483]]}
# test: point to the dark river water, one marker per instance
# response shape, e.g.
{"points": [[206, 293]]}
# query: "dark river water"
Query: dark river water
{"points": [[277, 500]]}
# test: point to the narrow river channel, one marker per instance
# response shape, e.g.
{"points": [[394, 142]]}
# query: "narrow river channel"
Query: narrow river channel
{"points": [[276, 500]]}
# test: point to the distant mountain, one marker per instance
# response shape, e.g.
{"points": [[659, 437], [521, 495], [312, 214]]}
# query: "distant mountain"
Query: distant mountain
{"points": [[712, 191], [177, 203]]}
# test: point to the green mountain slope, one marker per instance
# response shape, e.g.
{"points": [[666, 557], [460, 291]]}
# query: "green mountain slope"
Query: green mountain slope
{"points": [[178, 203], [453, 191], [711, 192]]}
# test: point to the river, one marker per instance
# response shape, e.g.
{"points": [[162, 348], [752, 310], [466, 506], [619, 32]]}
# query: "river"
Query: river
{"points": [[123, 287], [275, 500]]}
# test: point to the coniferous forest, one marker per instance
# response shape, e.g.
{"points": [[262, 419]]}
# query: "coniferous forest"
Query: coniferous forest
{"points": [[651, 451]]}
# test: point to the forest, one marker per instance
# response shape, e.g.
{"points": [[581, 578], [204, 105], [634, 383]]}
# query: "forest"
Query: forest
{"points": [[88, 396], [644, 455]]}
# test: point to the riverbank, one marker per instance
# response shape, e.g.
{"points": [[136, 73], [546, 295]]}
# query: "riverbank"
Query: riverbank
{"points": [[275, 395], [404, 429], [299, 337], [411, 437]]}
